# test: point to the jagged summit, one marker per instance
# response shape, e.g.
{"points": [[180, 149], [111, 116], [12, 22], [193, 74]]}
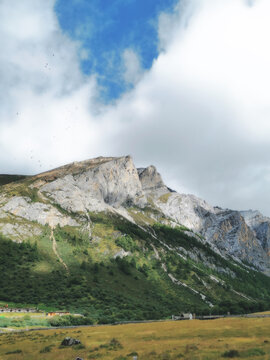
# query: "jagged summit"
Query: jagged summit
{"points": [[151, 179]]}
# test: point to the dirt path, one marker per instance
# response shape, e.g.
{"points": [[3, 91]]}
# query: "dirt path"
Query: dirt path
{"points": [[54, 246]]}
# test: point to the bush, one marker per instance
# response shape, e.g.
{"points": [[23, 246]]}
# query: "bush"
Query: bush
{"points": [[231, 354], [114, 344], [123, 265], [134, 353], [127, 243], [14, 352], [69, 320], [254, 352], [46, 349]]}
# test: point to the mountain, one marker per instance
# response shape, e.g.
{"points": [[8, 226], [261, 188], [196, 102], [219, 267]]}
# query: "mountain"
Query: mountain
{"points": [[108, 239]]}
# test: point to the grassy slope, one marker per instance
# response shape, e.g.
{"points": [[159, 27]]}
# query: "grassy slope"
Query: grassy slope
{"points": [[153, 341], [135, 287], [109, 291]]}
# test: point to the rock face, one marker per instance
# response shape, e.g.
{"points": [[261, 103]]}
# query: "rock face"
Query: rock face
{"points": [[111, 183], [229, 232], [151, 180], [36, 211], [114, 184], [260, 225], [187, 210], [242, 235]]}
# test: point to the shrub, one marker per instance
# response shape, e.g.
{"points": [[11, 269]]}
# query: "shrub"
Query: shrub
{"points": [[114, 344], [69, 320], [46, 349], [127, 243], [123, 265], [254, 352], [231, 354], [14, 352], [134, 353]]}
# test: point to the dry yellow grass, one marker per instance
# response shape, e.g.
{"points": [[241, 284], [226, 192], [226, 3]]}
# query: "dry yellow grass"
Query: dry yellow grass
{"points": [[193, 340]]}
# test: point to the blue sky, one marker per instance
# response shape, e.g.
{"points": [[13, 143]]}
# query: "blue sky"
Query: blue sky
{"points": [[106, 28]]}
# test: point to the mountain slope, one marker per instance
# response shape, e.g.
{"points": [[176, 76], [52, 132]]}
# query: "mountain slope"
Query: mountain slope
{"points": [[104, 237], [6, 179]]}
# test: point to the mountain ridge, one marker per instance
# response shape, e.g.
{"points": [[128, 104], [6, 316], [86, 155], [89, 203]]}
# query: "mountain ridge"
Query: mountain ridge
{"points": [[214, 223], [106, 211]]}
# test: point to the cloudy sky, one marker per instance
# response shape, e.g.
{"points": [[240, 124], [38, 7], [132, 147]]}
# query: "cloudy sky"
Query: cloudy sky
{"points": [[183, 85]]}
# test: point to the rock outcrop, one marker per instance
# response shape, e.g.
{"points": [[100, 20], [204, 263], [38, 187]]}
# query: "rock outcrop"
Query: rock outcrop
{"points": [[187, 210], [36, 211], [260, 225], [229, 232], [68, 341], [151, 180], [111, 183]]}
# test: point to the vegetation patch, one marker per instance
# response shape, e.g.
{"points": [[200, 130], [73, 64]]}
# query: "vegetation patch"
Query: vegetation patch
{"points": [[164, 198], [253, 353], [231, 354], [46, 349], [127, 243], [18, 351], [114, 345]]}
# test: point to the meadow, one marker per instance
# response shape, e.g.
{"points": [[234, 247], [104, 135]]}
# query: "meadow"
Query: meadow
{"points": [[194, 340]]}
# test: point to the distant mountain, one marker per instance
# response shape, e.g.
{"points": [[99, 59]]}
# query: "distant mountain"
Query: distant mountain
{"points": [[103, 237]]}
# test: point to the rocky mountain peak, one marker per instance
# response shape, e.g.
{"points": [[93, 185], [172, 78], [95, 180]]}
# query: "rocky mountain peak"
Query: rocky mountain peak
{"points": [[114, 184], [151, 180], [100, 183]]}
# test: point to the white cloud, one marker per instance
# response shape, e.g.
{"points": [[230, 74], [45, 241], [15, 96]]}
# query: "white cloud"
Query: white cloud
{"points": [[46, 102], [201, 113], [132, 67]]}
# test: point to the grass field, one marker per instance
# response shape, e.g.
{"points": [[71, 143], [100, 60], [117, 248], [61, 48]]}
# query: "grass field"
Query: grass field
{"points": [[195, 340], [19, 315]]}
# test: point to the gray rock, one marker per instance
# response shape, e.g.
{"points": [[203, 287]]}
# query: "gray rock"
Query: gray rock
{"points": [[19, 231], [68, 341], [185, 209], [121, 254], [242, 235], [260, 225], [230, 233], [113, 183], [151, 180], [37, 211]]}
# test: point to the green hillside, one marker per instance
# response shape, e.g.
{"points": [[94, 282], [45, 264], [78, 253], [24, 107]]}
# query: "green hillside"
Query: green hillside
{"points": [[141, 285]]}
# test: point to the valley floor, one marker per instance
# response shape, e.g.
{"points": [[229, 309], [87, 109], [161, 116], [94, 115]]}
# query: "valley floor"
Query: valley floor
{"points": [[243, 338]]}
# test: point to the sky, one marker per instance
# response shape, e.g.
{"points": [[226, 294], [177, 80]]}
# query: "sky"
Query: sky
{"points": [[183, 85]]}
